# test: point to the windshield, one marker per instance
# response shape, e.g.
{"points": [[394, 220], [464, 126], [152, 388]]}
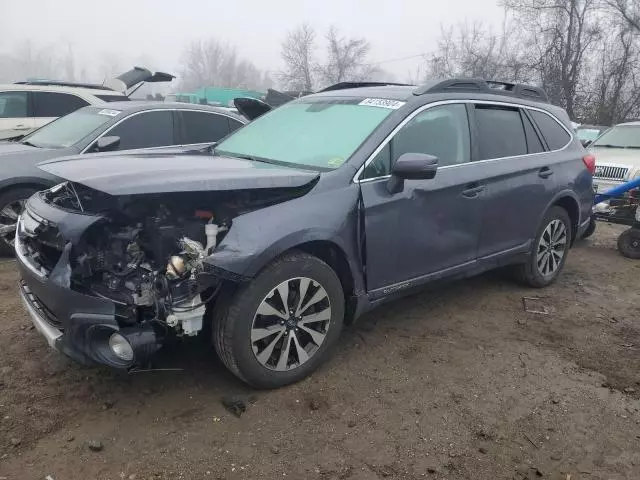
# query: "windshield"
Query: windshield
{"points": [[621, 136], [70, 129], [588, 134], [318, 135]]}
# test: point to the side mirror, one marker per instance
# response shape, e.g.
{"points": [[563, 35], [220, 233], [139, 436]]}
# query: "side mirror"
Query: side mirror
{"points": [[107, 144], [412, 166]]}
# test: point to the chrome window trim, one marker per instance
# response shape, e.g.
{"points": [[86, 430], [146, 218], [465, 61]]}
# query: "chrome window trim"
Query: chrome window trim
{"points": [[421, 109], [84, 150]]}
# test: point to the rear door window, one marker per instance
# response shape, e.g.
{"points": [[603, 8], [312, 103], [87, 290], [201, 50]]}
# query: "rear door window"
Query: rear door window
{"points": [[145, 130], [534, 145], [13, 104], [203, 127], [555, 135], [52, 104], [500, 132]]}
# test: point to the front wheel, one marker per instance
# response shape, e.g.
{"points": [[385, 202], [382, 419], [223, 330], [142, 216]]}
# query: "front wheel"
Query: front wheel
{"points": [[550, 250], [282, 325], [629, 243], [11, 205]]}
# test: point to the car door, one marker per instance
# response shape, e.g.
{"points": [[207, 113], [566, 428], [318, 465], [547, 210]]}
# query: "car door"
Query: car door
{"points": [[14, 114], [147, 129], [430, 228], [200, 127], [518, 176], [47, 106]]}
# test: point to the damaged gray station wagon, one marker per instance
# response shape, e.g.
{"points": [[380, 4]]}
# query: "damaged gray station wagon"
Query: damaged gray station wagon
{"points": [[300, 222]]}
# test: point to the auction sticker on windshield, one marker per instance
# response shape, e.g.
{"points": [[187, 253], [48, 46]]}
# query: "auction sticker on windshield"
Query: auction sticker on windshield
{"points": [[382, 103], [108, 112]]}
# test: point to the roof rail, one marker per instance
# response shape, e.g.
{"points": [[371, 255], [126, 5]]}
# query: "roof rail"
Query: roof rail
{"points": [[345, 85], [59, 83], [481, 85]]}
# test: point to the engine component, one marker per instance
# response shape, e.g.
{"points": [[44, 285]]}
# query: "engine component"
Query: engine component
{"points": [[175, 267], [211, 232], [188, 316]]}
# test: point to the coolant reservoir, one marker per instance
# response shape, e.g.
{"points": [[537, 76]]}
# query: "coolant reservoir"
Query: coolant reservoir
{"points": [[211, 231]]}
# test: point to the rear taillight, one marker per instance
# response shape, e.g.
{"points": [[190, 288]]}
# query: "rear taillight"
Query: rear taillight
{"points": [[590, 163]]}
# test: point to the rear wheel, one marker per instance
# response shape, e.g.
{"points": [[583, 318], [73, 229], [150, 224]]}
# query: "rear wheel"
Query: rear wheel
{"points": [[282, 325], [11, 205], [629, 243], [550, 250]]}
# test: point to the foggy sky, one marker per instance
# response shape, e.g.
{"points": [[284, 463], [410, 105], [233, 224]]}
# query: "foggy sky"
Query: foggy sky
{"points": [[155, 31]]}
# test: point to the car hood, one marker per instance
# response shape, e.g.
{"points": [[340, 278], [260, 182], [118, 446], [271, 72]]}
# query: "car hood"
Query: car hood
{"points": [[620, 156], [7, 148], [12, 152], [154, 173]]}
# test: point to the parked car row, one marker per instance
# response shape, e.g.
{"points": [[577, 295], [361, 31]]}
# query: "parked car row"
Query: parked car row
{"points": [[295, 224], [26, 106]]}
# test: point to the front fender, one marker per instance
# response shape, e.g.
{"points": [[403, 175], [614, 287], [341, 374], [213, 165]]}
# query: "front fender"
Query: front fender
{"points": [[26, 180], [256, 238]]}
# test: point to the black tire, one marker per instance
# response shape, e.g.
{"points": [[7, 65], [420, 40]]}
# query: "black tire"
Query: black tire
{"points": [[529, 272], [629, 243], [591, 228], [8, 198], [234, 316]]}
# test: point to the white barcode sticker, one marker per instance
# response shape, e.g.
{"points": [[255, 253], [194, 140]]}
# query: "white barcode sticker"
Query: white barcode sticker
{"points": [[382, 103], [110, 113]]}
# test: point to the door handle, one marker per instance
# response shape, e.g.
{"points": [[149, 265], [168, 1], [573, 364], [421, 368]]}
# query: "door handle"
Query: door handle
{"points": [[472, 191], [21, 127], [545, 172]]}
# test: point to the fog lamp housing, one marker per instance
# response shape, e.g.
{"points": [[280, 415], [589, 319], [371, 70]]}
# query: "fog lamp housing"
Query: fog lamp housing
{"points": [[121, 347]]}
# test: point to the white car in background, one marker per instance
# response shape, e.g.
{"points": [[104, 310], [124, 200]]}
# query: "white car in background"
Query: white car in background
{"points": [[617, 153], [26, 106]]}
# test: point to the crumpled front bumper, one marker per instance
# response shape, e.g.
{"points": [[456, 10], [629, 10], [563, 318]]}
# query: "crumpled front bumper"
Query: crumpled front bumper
{"points": [[77, 324], [67, 319]]}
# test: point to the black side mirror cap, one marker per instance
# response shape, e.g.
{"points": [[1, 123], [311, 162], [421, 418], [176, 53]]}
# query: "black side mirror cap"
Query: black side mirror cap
{"points": [[107, 144], [411, 166]]}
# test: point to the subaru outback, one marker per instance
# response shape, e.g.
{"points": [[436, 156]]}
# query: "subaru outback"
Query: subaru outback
{"points": [[300, 222]]}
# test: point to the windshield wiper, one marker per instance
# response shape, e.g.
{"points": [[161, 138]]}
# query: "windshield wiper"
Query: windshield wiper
{"points": [[27, 142], [242, 156]]}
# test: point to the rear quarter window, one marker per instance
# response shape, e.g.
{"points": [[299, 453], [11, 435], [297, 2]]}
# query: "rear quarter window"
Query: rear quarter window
{"points": [[555, 135]]}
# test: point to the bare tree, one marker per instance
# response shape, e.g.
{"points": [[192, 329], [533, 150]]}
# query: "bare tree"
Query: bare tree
{"points": [[475, 51], [614, 90], [212, 63], [629, 10], [346, 59], [558, 34], [69, 64], [298, 56]]}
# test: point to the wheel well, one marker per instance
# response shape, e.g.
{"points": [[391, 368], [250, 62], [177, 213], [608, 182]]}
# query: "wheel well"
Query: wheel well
{"points": [[335, 257], [572, 209]]}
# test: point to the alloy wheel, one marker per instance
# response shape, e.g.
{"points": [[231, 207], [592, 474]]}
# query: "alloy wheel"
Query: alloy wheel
{"points": [[291, 324], [551, 248], [8, 221]]}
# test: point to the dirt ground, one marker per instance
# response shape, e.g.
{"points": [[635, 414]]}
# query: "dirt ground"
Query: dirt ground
{"points": [[456, 383]]}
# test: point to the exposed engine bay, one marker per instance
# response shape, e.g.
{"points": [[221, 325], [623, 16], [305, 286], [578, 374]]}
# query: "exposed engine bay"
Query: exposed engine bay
{"points": [[144, 253]]}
